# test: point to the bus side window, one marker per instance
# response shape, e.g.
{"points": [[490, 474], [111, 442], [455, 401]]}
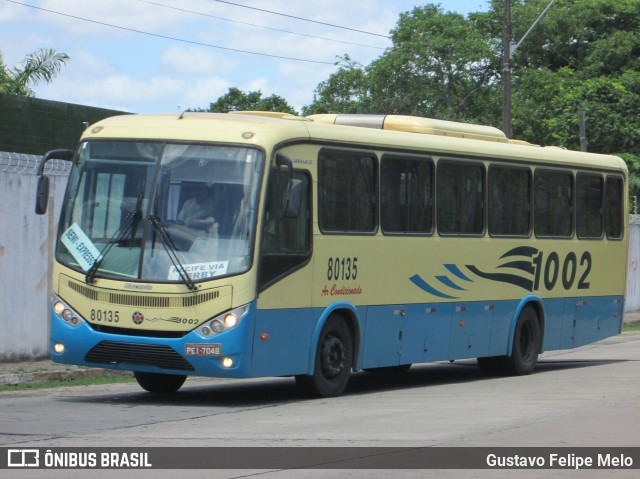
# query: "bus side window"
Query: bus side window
{"points": [[347, 192], [589, 206], [614, 205], [407, 195], [553, 203], [509, 201], [460, 196]]}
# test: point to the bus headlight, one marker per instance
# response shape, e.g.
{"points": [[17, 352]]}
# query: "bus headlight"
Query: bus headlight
{"points": [[223, 322], [65, 312]]}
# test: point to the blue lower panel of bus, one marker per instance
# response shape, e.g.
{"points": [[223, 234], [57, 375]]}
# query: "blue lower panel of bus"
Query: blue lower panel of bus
{"points": [[282, 342]]}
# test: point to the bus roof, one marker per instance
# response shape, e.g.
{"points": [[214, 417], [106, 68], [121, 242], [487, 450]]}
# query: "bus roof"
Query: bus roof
{"points": [[391, 132]]}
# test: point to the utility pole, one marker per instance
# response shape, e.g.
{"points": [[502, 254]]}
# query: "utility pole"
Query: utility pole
{"points": [[506, 69], [583, 129], [508, 49]]}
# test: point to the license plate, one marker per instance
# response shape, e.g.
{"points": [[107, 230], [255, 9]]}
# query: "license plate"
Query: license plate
{"points": [[195, 349]]}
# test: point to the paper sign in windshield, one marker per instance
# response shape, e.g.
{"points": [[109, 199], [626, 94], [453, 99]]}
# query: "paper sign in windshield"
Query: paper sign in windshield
{"points": [[80, 246], [200, 270]]}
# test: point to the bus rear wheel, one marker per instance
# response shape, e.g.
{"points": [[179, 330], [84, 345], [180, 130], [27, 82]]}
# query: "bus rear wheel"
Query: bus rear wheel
{"points": [[159, 383], [524, 353], [527, 339], [332, 365]]}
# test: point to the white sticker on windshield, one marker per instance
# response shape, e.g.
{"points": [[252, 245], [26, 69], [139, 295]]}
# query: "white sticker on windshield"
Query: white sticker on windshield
{"points": [[200, 270], [80, 246]]}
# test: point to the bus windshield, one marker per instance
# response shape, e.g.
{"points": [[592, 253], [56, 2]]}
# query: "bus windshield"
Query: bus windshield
{"points": [[160, 212]]}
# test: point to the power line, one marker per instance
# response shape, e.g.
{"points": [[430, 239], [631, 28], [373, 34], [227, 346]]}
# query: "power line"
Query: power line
{"points": [[259, 26], [166, 37], [302, 19]]}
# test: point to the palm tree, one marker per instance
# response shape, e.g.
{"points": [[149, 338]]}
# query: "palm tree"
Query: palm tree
{"points": [[40, 66]]}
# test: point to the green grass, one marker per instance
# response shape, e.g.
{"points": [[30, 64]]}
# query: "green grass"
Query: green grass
{"points": [[628, 328], [102, 379]]}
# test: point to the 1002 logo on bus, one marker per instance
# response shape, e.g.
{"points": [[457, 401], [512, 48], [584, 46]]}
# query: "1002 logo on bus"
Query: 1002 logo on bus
{"points": [[552, 269]]}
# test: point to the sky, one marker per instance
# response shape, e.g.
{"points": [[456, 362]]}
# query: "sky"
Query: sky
{"points": [[165, 56]]}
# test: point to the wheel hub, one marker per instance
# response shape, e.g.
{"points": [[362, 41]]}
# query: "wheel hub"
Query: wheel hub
{"points": [[333, 356]]}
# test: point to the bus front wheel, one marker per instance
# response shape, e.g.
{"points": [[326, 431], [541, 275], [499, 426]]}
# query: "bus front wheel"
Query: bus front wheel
{"points": [[159, 383], [334, 357]]}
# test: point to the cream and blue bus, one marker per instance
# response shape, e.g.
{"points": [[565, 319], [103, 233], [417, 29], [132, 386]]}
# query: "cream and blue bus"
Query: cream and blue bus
{"points": [[263, 244]]}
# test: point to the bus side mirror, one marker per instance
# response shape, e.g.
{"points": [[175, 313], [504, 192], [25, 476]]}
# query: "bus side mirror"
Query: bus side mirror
{"points": [[42, 195], [293, 198], [42, 192]]}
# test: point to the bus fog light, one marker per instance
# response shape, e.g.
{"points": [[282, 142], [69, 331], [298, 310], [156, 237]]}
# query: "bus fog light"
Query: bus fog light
{"points": [[58, 348], [227, 362], [206, 331], [67, 315]]}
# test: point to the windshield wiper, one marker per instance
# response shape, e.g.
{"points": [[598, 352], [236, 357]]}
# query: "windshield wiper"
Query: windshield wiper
{"points": [[172, 251], [132, 217], [130, 224]]}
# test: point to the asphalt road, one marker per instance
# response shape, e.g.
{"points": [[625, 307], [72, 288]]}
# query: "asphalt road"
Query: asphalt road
{"points": [[584, 397]]}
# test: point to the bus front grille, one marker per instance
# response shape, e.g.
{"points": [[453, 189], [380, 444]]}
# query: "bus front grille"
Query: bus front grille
{"points": [[112, 352]]}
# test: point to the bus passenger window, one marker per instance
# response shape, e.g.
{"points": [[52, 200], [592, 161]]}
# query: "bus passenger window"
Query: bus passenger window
{"points": [[509, 201], [553, 204], [460, 198], [406, 195], [346, 189], [614, 204], [589, 211]]}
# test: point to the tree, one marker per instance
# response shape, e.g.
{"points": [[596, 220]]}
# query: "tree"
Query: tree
{"points": [[582, 56], [441, 65], [43, 65], [237, 100], [633, 163], [345, 91]]}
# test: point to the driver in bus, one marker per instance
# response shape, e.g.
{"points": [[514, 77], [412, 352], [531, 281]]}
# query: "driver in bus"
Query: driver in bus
{"points": [[196, 212]]}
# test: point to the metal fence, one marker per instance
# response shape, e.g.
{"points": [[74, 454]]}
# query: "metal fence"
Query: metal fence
{"points": [[28, 164]]}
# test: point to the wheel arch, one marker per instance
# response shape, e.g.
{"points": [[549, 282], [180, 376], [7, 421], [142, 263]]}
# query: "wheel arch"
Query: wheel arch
{"points": [[349, 313], [536, 303]]}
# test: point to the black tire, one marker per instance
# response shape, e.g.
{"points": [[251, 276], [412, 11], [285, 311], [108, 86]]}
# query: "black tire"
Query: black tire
{"points": [[527, 339], [333, 361], [159, 383]]}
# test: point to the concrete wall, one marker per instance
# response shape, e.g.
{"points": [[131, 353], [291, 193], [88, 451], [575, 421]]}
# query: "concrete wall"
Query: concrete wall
{"points": [[26, 252], [633, 272]]}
